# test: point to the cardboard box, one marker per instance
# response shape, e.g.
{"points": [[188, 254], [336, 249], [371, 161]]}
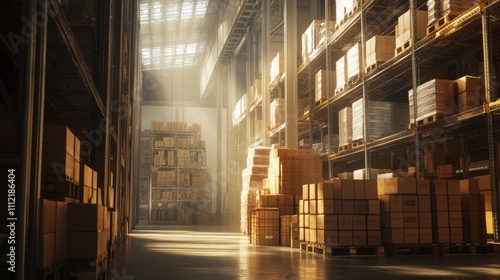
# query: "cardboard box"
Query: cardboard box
{"points": [[373, 206], [423, 187], [456, 235], [474, 202], [400, 185], [439, 187], [325, 190], [487, 200], [455, 203], [305, 192], [489, 222], [359, 222], [344, 222], [46, 256], [393, 236], [425, 235], [424, 203], [442, 235], [87, 176], [484, 182], [442, 219], [327, 206], [410, 220], [345, 238], [327, 222], [391, 203], [359, 189], [61, 246], [359, 238], [312, 221], [312, 192], [412, 236], [474, 219], [392, 220], [455, 219], [469, 186], [361, 207], [85, 244], [348, 206], [328, 238], [425, 220], [475, 234], [312, 207], [440, 203], [410, 203], [85, 217], [61, 216], [373, 238], [371, 191], [49, 218], [373, 222]]}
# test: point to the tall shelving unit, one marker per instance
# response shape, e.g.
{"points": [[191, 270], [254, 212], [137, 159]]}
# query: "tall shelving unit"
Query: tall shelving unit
{"points": [[465, 45], [179, 180], [144, 177]]}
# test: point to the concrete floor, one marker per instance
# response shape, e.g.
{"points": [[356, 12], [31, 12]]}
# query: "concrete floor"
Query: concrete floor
{"points": [[174, 252]]}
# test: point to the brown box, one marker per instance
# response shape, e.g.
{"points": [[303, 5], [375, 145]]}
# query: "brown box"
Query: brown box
{"points": [[359, 222], [347, 188], [373, 238], [327, 222], [312, 192], [373, 206], [484, 182], [87, 176], [440, 203], [442, 235], [455, 219], [381, 187], [373, 222], [361, 207], [325, 190], [327, 206], [359, 189], [306, 206], [46, 256], [442, 219], [410, 220], [391, 203], [85, 217], [344, 222], [487, 200], [345, 238], [474, 202], [313, 235], [85, 244], [424, 203], [456, 235], [475, 234], [455, 203], [392, 220], [348, 206], [400, 185], [474, 219], [410, 203], [425, 220], [469, 186], [313, 207], [313, 221], [307, 220], [489, 221], [61, 216], [61, 246], [359, 238], [425, 235], [371, 191], [412, 236], [423, 187], [328, 237], [94, 180], [439, 187], [393, 236], [305, 192], [49, 218]]}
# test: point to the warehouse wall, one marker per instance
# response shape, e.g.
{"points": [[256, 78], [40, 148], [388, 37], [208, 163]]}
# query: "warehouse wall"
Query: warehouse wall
{"points": [[207, 118]]}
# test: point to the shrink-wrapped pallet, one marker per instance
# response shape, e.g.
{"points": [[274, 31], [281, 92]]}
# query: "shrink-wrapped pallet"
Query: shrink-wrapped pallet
{"points": [[345, 126], [454, 8], [361, 174], [379, 49], [434, 97], [277, 112], [341, 73], [353, 61], [320, 84], [382, 117], [277, 67], [309, 40]]}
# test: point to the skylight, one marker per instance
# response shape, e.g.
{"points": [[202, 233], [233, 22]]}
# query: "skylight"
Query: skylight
{"points": [[170, 31]]}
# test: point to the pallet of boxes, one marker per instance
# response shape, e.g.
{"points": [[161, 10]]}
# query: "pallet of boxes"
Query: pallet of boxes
{"points": [[340, 217], [275, 220]]}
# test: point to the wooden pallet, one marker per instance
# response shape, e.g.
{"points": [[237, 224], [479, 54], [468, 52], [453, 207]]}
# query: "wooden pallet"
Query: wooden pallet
{"points": [[352, 251], [344, 148], [415, 249], [430, 119], [374, 66], [339, 89], [352, 80], [320, 102], [354, 9], [307, 247], [468, 249], [438, 24], [404, 47], [357, 143]]}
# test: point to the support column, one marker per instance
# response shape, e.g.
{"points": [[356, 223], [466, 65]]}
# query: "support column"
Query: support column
{"points": [[291, 94], [490, 126], [29, 179], [266, 50], [366, 101]]}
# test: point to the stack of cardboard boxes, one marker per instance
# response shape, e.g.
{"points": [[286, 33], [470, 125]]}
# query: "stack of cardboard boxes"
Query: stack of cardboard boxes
{"points": [[340, 213], [405, 211], [345, 127], [289, 229], [277, 67], [277, 112], [379, 49], [353, 60], [265, 226], [90, 190], [435, 97], [403, 30], [485, 190], [320, 84], [341, 71]]}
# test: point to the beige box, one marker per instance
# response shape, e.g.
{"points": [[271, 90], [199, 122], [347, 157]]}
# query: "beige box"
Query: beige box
{"points": [[61, 246], [373, 222], [424, 203], [410, 203], [371, 191], [423, 187], [391, 203], [325, 190], [393, 236], [425, 220], [46, 253], [373, 238], [321, 89], [344, 222], [329, 238], [425, 235], [392, 220], [484, 182], [455, 219], [410, 220], [412, 236], [359, 189], [87, 176], [49, 218], [373, 206], [455, 203], [359, 222], [359, 238], [400, 185]]}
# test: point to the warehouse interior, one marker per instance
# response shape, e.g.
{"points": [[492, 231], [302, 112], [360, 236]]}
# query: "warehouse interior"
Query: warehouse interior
{"points": [[250, 139]]}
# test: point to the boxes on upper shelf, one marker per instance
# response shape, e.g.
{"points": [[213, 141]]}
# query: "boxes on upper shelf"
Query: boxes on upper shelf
{"points": [[470, 92], [277, 67], [345, 126], [403, 30], [434, 97], [341, 71], [353, 61], [322, 78], [379, 49]]}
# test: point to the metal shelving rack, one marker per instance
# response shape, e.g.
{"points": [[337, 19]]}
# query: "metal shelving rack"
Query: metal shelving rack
{"points": [[184, 194], [144, 177]]}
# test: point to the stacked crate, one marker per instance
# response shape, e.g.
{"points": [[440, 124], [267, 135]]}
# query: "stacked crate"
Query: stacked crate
{"points": [[47, 238], [473, 211], [320, 84], [403, 30], [434, 98], [378, 50], [310, 40], [289, 169], [447, 212], [277, 112], [60, 162], [284, 202], [470, 93], [438, 9], [265, 227], [345, 127], [252, 182], [88, 236], [289, 229], [405, 211], [485, 190], [89, 193], [340, 213]]}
